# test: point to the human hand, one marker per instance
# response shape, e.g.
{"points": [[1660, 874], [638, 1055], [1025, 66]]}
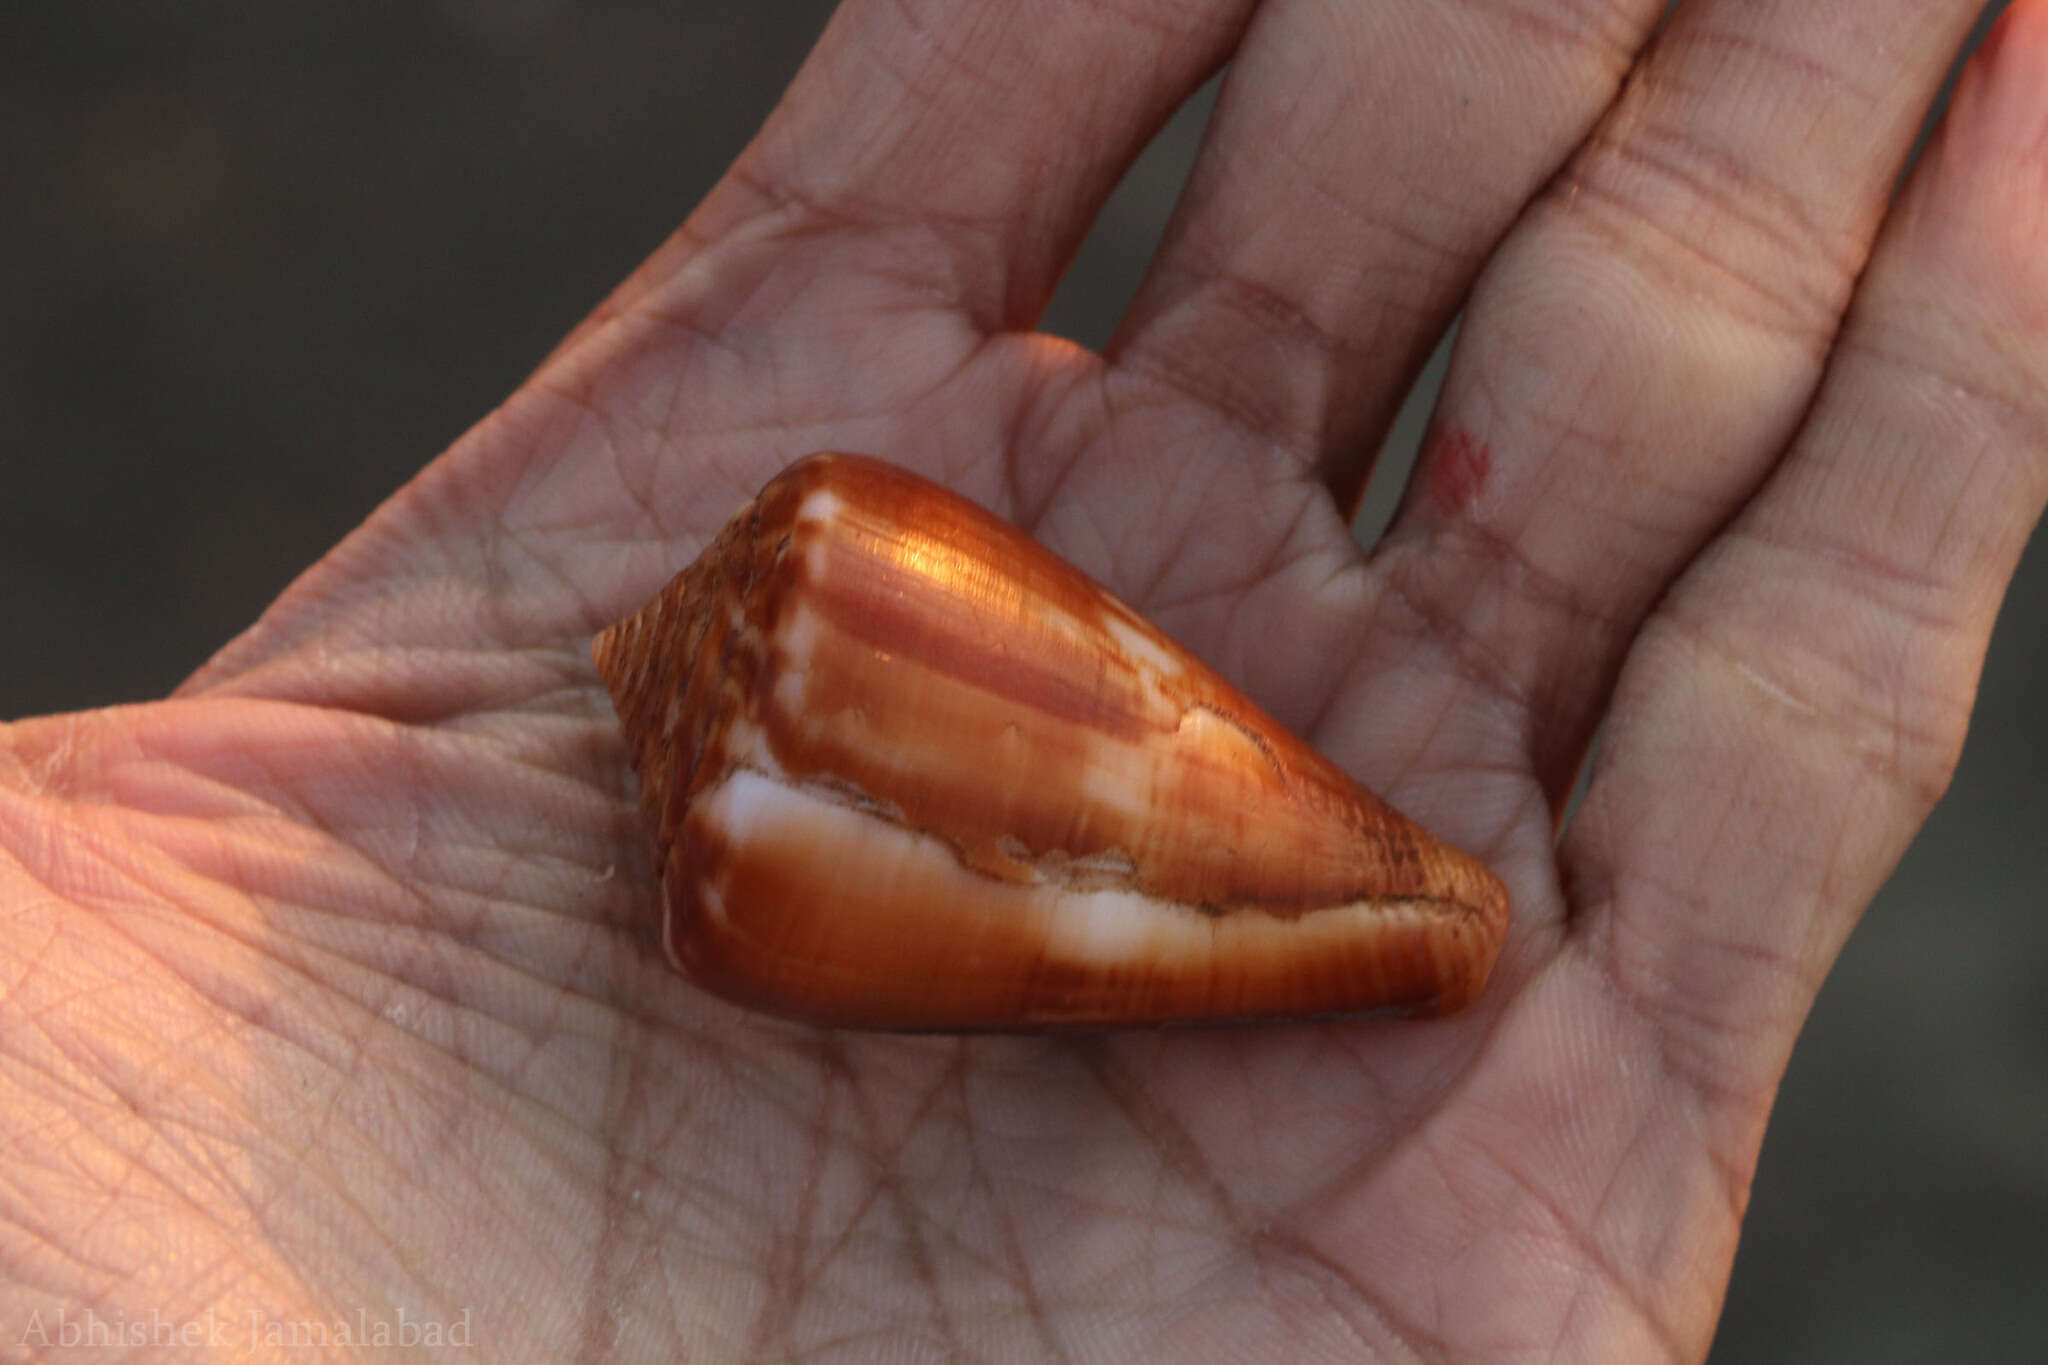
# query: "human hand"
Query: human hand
{"points": [[335, 956]]}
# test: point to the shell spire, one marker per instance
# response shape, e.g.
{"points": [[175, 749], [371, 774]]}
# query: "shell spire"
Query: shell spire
{"points": [[906, 769]]}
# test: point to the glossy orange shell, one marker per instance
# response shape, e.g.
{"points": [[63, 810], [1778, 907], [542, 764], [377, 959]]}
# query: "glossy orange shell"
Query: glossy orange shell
{"points": [[907, 769]]}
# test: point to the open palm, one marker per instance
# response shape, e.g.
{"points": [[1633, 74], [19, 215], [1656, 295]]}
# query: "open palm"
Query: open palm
{"points": [[329, 999]]}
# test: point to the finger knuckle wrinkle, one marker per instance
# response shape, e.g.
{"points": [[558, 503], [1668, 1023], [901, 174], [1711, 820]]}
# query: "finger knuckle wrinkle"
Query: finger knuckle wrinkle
{"points": [[1888, 706], [1704, 225], [1994, 395], [1712, 1004], [1272, 312], [1436, 615], [1473, 565], [1903, 687], [1193, 376], [1610, 32], [1171, 20]]}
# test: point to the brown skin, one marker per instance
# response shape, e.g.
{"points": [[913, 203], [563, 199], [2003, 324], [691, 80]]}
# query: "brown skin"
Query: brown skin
{"points": [[327, 983]]}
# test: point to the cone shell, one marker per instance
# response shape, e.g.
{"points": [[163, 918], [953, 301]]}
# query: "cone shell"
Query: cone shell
{"points": [[905, 769]]}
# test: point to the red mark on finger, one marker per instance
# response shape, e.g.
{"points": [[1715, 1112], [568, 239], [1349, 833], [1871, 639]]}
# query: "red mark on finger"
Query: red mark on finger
{"points": [[1455, 468]]}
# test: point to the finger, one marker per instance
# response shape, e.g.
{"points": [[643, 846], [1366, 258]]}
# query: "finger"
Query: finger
{"points": [[1797, 705], [979, 140], [1362, 162], [1646, 344]]}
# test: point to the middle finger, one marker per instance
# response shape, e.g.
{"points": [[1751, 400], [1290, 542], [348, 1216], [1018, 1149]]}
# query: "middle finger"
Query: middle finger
{"points": [[1362, 161]]}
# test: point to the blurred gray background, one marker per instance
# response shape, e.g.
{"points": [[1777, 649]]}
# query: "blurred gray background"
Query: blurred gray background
{"points": [[265, 260]]}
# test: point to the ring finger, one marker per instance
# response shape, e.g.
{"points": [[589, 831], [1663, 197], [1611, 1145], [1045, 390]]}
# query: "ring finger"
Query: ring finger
{"points": [[1642, 349]]}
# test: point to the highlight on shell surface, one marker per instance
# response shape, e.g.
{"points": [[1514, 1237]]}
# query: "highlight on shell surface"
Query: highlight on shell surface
{"points": [[904, 768]]}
